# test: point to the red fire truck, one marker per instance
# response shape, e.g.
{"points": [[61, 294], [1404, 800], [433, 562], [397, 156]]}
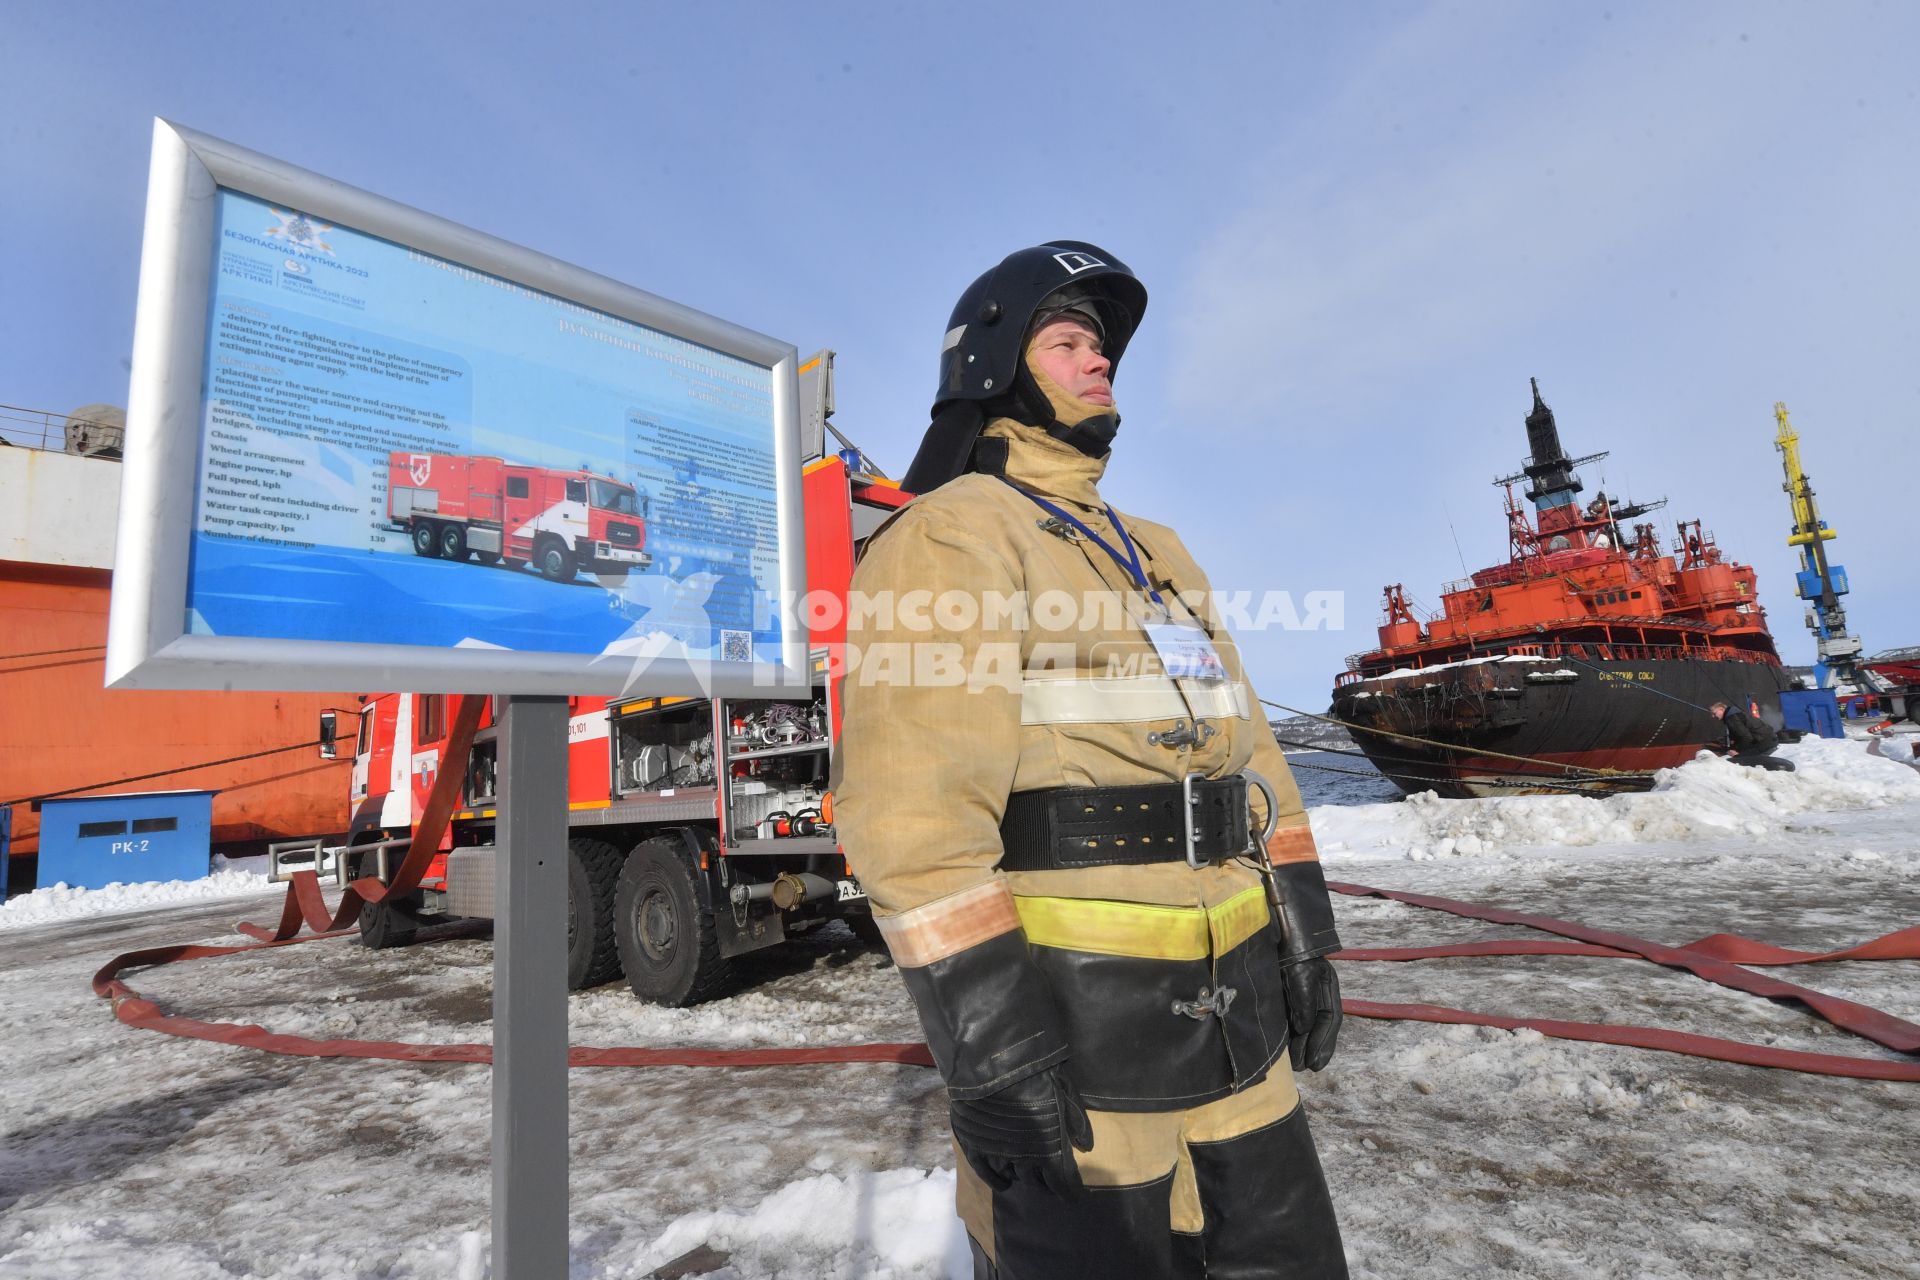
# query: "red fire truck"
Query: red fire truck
{"points": [[453, 506], [700, 829]]}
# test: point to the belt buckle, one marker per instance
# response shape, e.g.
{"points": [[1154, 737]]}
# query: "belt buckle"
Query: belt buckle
{"points": [[1186, 794]]}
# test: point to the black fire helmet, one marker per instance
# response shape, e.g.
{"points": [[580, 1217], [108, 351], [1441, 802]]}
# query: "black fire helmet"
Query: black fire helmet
{"points": [[983, 356]]}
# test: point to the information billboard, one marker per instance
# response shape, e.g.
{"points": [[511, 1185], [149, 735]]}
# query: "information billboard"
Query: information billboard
{"points": [[370, 448]]}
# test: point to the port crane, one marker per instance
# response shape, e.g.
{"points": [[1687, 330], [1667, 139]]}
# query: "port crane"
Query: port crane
{"points": [[1820, 582]]}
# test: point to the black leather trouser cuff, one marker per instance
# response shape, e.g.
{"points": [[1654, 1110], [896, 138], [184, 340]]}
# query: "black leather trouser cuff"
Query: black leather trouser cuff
{"points": [[1267, 1216], [989, 1015], [1306, 912]]}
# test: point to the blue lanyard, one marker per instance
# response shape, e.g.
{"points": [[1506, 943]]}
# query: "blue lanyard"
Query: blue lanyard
{"points": [[1130, 562]]}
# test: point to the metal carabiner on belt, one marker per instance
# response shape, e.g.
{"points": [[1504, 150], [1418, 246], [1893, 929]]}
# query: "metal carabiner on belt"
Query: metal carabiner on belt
{"points": [[1273, 810]]}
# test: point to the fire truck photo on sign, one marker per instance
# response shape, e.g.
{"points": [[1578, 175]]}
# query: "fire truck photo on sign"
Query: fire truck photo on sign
{"points": [[424, 453], [488, 510]]}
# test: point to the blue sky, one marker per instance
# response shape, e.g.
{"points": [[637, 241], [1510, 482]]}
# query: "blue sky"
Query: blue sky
{"points": [[1363, 227]]}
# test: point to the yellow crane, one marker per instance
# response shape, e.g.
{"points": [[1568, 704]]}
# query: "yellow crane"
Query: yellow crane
{"points": [[1807, 524], [1820, 583]]}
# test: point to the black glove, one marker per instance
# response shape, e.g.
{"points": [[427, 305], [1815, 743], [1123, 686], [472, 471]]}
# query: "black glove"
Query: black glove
{"points": [[1313, 1012], [1307, 938], [1024, 1132]]}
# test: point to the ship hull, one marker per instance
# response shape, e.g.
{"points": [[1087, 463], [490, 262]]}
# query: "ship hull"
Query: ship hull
{"points": [[1567, 717], [62, 731]]}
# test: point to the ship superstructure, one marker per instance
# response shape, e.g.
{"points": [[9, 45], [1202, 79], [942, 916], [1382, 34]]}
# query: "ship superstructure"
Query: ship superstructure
{"points": [[62, 732]]}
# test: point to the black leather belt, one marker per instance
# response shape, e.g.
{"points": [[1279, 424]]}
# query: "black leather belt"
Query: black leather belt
{"points": [[1202, 820]]}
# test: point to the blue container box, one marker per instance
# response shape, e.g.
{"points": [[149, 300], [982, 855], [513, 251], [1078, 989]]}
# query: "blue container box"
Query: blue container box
{"points": [[96, 841], [1811, 711]]}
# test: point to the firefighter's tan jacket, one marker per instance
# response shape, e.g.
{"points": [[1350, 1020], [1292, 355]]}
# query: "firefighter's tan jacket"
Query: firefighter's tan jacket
{"points": [[948, 710]]}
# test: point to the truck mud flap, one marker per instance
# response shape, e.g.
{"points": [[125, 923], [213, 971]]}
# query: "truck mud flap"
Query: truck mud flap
{"points": [[750, 927]]}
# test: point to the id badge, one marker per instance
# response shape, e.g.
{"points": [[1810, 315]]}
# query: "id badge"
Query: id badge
{"points": [[1185, 651]]}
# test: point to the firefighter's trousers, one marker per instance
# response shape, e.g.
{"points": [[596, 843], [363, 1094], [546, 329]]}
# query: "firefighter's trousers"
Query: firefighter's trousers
{"points": [[1231, 1190]]}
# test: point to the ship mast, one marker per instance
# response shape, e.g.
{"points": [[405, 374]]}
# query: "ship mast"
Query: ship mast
{"points": [[1562, 524], [1549, 470]]}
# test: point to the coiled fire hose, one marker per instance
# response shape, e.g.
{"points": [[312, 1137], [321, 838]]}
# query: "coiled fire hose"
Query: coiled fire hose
{"points": [[305, 907]]}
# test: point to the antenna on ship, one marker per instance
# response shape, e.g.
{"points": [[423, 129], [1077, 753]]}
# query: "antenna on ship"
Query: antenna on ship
{"points": [[1464, 571]]}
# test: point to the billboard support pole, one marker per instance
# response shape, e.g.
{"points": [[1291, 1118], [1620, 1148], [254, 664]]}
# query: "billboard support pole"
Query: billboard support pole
{"points": [[530, 1206]]}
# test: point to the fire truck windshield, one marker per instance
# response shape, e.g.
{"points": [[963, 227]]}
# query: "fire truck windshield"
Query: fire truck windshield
{"points": [[610, 496]]}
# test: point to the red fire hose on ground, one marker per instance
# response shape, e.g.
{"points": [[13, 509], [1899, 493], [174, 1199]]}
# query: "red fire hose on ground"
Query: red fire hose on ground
{"points": [[305, 907], [1716, 959]]}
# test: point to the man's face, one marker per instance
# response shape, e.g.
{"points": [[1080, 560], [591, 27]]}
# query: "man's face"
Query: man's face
{"points": [[1067, 349], [1720, 712]]}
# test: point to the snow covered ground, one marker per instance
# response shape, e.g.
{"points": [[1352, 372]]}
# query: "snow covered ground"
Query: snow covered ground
{"points": [[62, 902], [1451, 1150]]}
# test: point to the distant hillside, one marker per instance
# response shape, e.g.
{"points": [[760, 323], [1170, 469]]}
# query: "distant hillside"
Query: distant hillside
{"points": [[1304, 732]]}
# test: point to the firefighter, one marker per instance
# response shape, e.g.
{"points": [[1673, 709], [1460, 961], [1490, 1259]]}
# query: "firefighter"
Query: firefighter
{"points": [[1082, 845]]}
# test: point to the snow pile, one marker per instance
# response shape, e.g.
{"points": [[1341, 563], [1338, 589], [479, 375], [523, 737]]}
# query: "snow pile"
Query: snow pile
{"points": [[1707, 798], [893, 1225], [60, 902]]}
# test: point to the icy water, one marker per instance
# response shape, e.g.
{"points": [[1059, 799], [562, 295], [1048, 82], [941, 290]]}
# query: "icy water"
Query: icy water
{"points": [[1327, 778]]}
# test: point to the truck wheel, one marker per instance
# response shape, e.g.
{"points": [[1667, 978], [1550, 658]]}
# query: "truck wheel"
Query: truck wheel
{"points": [[391, 923], [424, 543], [555, 561], [593, 873], [387, 924], [668, 945], [453, 542]]}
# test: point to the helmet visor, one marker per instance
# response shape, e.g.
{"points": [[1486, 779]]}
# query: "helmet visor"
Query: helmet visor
{"points": [[1078, 302]]}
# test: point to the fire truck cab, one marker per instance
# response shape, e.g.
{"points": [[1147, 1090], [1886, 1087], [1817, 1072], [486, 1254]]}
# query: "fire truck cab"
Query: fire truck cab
{"points": [[699, 829]]}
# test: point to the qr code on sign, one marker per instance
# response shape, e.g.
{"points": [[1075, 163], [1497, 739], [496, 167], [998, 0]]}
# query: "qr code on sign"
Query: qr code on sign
{"points": [[736, 646]]}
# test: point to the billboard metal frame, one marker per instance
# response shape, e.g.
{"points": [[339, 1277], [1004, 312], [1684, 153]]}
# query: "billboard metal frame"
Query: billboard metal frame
{"points": [[148, 645]]}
